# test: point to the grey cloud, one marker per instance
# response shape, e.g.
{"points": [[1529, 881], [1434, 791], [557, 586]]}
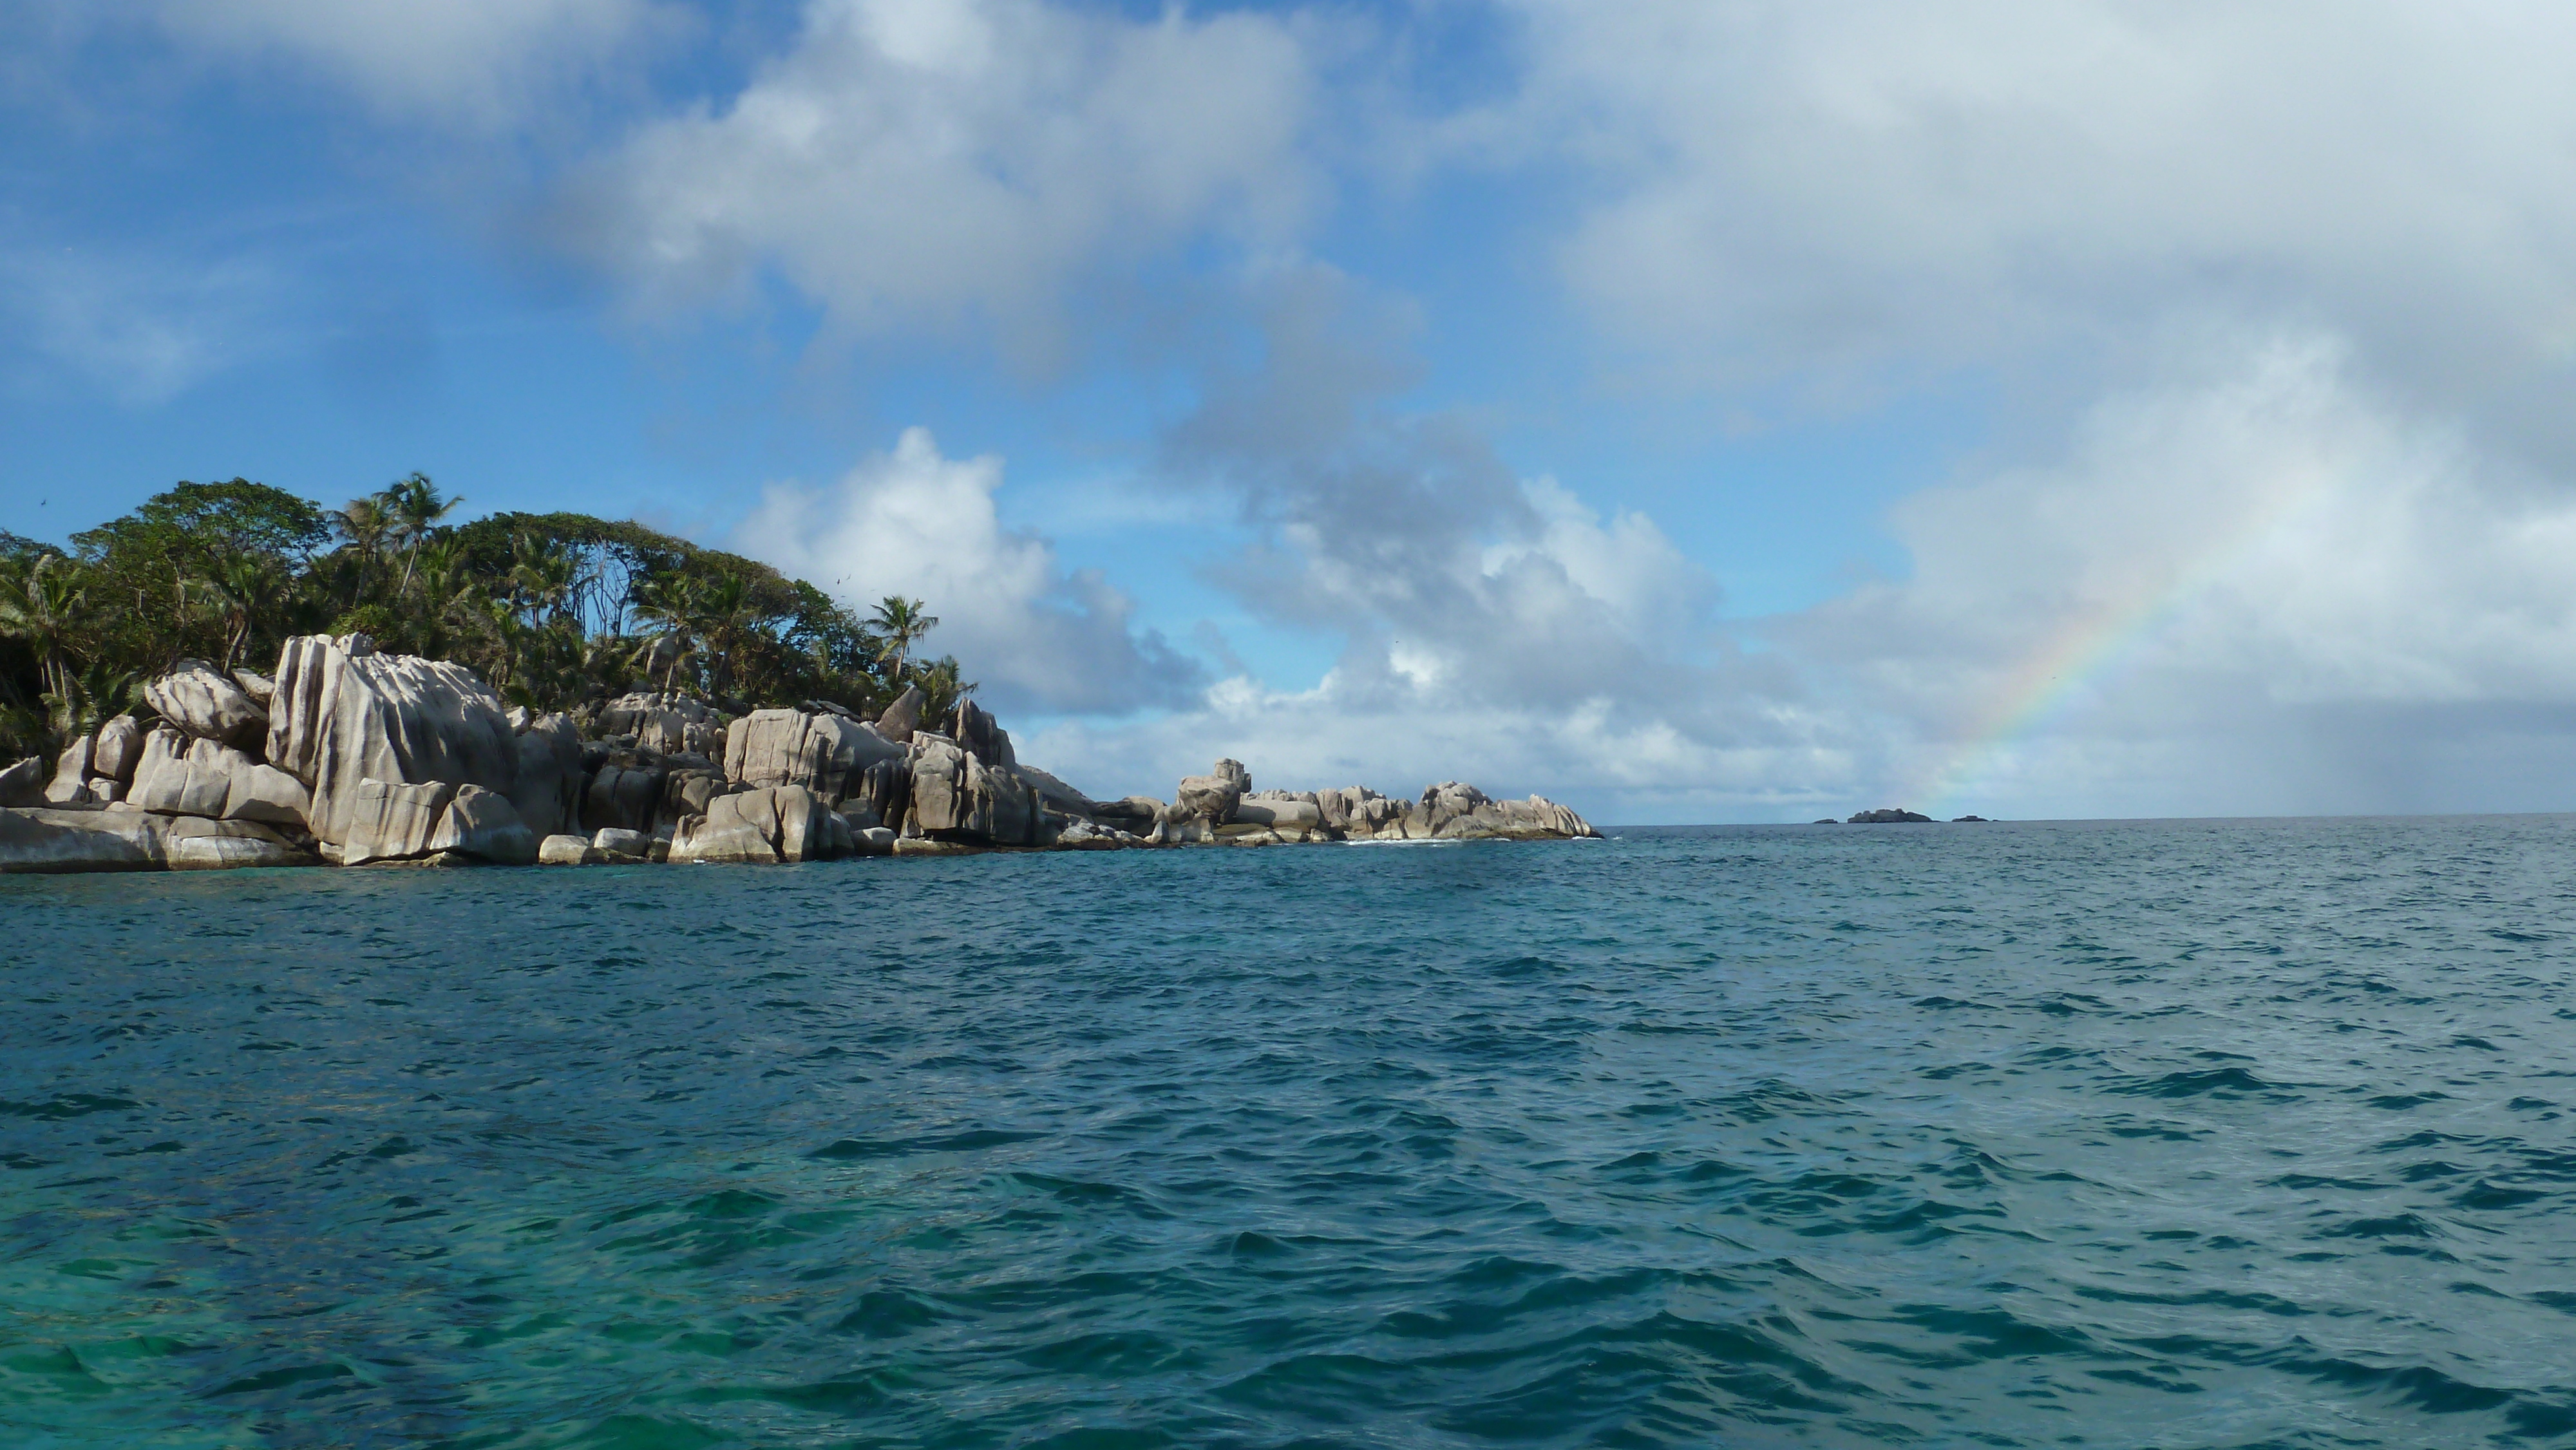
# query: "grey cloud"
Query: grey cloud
{"points": [[1407, 533], [1832, 192]]}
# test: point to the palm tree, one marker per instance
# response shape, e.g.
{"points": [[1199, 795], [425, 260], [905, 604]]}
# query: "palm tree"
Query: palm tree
{"points": [[43, 606], [243, 585], [902, 623], [544, 576], [365, 523], [671, 613], [416, 506], [85, 700], [726, 610], [939, 682]]}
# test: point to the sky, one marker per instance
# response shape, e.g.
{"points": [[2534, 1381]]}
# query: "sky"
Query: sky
{"points": [[1702, 411]]}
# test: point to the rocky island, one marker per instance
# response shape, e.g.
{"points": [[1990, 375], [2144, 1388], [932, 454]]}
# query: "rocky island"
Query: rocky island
{"points": [[352, 756], [522, 689]]}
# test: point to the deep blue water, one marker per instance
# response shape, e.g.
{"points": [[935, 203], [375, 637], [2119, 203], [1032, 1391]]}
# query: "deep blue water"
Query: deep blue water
{"points": [[2181, 1134]]}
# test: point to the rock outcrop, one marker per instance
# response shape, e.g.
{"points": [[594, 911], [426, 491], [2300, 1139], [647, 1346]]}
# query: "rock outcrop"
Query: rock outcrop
{"points": [[1289, 812], [1212, 797], [770, 824], [885, 789], [70, 785], [118, 750], [181, 776], [903, 716], [23, 784], [616, 847], [361, 757], [823, 753], [548, 790], [959, 796], [117, 839], [1221, 807], [666, 724], [484, 825], [624, 797], [345, 715], [1889, 816], [209, 704], [980, 735], [387, 820]]}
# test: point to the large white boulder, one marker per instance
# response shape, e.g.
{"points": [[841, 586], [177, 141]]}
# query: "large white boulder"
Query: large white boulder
{"points": [[1301, 815], [184, 776], [209, 704], [484, 825], [563, 850], [780, 823], [191, 844], [824, 753], [345, 715], [956, 794], [1055, 793], [119, 749], [124, 840], [391, 820], [70, 785], [615, 844], [1212, 797]]}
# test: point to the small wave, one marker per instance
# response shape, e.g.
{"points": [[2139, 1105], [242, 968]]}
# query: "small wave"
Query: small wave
{"points": [[849, 1149], [2217, 1082]]}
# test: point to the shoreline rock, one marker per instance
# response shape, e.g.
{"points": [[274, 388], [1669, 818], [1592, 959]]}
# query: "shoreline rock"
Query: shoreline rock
{"points": [[350, 757]]}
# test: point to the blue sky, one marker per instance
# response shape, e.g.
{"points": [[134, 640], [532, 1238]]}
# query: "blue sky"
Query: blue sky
{"points": [[1693, 412]]}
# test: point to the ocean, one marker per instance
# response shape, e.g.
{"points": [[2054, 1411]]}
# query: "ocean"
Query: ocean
{"points": [[2113, 1134]]}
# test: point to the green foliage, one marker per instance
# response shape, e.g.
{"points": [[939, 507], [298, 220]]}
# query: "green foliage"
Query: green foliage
{"points": [[552, 609], [162, 568]]}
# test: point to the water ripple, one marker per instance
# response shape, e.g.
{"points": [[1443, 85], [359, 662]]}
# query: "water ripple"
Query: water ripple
{"points": [[2180, 1134]]}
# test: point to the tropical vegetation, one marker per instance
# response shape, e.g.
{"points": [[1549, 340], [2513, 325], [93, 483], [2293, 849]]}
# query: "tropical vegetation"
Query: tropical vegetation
{"points": [[555, 610]]}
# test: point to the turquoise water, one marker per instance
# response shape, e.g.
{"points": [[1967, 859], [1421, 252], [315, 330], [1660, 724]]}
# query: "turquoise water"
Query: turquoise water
{"points": [[2126, 1135]]}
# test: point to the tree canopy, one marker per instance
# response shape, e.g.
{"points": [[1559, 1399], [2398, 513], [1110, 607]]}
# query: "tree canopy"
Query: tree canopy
{"points": [[553, 609]]}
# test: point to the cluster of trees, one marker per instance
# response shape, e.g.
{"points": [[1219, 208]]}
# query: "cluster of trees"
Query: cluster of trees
{"points": [[552, 609]]}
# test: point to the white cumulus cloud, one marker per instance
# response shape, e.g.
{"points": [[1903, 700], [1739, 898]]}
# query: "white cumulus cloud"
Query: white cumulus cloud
{"points": [[915, 523]]}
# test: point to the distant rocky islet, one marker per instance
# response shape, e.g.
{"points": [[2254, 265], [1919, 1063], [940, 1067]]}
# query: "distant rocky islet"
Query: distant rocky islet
{"points": [[348, 756]]}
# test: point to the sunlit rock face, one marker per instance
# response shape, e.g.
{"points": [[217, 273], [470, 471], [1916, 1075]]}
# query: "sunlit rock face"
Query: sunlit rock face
{"points": [[344, 714]]}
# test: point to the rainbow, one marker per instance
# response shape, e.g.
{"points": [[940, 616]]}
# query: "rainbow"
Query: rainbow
{"points": [[2091, 648]]}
